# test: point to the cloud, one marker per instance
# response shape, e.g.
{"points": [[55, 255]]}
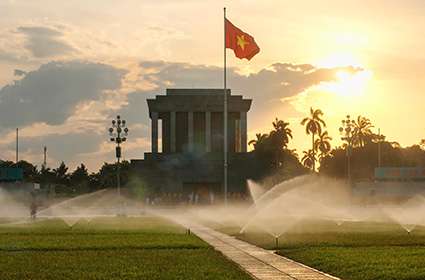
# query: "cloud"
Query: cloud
{"points": [[60, 147], [45, 42], [268, 87], [277, 81], [68, 105], [19, 73], [51, 93]]}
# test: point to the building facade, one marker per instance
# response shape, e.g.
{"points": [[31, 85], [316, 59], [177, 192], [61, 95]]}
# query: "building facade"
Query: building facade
{"points": [[391, 184], [187, 134]]}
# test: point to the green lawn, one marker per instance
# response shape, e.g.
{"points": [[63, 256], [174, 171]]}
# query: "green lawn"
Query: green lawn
{"points": [[364, 263], [351, 251], [109, 248]]}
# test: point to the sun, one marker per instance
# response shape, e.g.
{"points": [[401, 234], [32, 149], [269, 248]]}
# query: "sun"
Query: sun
{"points": [[343, 76], [351, 77], [351, 83], [348, 83]]}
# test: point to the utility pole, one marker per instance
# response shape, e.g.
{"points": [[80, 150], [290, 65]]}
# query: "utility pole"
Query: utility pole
{"points": [[379, 147], [225, 113], [45, 157], [17, 145], [347, 134]]}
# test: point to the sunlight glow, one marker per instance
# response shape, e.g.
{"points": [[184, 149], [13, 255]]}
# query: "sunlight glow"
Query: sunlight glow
{"points": [[342, 59], [350, 84], [344, 94]]}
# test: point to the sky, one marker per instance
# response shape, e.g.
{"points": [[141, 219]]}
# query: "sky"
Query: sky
{"points": [[68, 67]]}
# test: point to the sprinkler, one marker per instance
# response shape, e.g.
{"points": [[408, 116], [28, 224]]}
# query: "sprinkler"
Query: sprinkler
{"points": [[276, 239]]}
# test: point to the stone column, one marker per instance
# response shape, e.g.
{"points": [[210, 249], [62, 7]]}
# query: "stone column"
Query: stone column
{"points": [[154, 130], [172, 132], [190, 131], [208, 132], [244, 131]]}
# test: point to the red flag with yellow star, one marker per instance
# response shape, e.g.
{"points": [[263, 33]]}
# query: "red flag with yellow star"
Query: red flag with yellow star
{"points": [[240, 42]]}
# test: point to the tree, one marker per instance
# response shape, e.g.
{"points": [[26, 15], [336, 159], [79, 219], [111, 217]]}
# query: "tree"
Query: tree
{"points": [[79, 179], [79, 174], [313, 125], [422, 144], [281, 133], [309, 159], [293, 152], [323, 144], [362, 132], [279, 138], [7, 163], [272, 147], [271, 158], [45, 176], [259, 142], [107, 175], [61, 176]]}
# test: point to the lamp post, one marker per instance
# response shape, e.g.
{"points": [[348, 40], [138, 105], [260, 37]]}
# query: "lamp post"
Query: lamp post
{"points": [[347, 134], [118, 133], [380, 139]]}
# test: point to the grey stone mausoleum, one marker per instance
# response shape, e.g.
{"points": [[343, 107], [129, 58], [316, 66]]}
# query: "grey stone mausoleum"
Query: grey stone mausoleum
{"points": [[187, 130]]}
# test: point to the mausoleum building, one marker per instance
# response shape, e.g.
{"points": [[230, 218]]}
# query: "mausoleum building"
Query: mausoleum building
{"points": [[187, 134]]}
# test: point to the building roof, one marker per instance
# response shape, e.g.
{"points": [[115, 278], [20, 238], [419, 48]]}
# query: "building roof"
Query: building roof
{"points": [[196, 91], [197, 100]]}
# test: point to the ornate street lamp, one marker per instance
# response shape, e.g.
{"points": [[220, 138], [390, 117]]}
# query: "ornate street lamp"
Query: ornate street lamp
{"points": [[379, 139], [347, 134], [118, 133]]}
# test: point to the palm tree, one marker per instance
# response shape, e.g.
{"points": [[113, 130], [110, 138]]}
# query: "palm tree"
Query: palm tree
{"points": [[362, 132], [279, 138], [323, 144], [256, 143], [282, 132], [309, 159], [313, 125]]}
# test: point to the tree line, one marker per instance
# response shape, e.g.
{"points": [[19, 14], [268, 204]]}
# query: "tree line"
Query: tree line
{"points": [[271, 157], [364, 146], [71, 182]]}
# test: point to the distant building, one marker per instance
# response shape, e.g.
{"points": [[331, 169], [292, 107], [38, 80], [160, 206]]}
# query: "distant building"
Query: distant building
{"points": [[12, 181], [188, 157], [391, 184], [11, 174]]}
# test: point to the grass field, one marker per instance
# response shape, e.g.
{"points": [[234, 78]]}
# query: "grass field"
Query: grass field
{"points": [[351, 251], [109, 248]]}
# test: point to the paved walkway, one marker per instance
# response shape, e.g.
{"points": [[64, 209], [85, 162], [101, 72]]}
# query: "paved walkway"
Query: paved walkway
{"points": [[259, 263]]}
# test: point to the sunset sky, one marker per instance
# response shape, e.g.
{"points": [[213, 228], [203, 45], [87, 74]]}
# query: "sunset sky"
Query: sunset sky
{"points": [[68, 67]]}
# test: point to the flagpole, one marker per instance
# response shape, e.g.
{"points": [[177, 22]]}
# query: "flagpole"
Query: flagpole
{"points": [[225, 114]]}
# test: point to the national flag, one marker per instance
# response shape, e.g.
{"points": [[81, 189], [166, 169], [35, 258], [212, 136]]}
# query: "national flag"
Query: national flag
{"points": [[240, 42]]}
